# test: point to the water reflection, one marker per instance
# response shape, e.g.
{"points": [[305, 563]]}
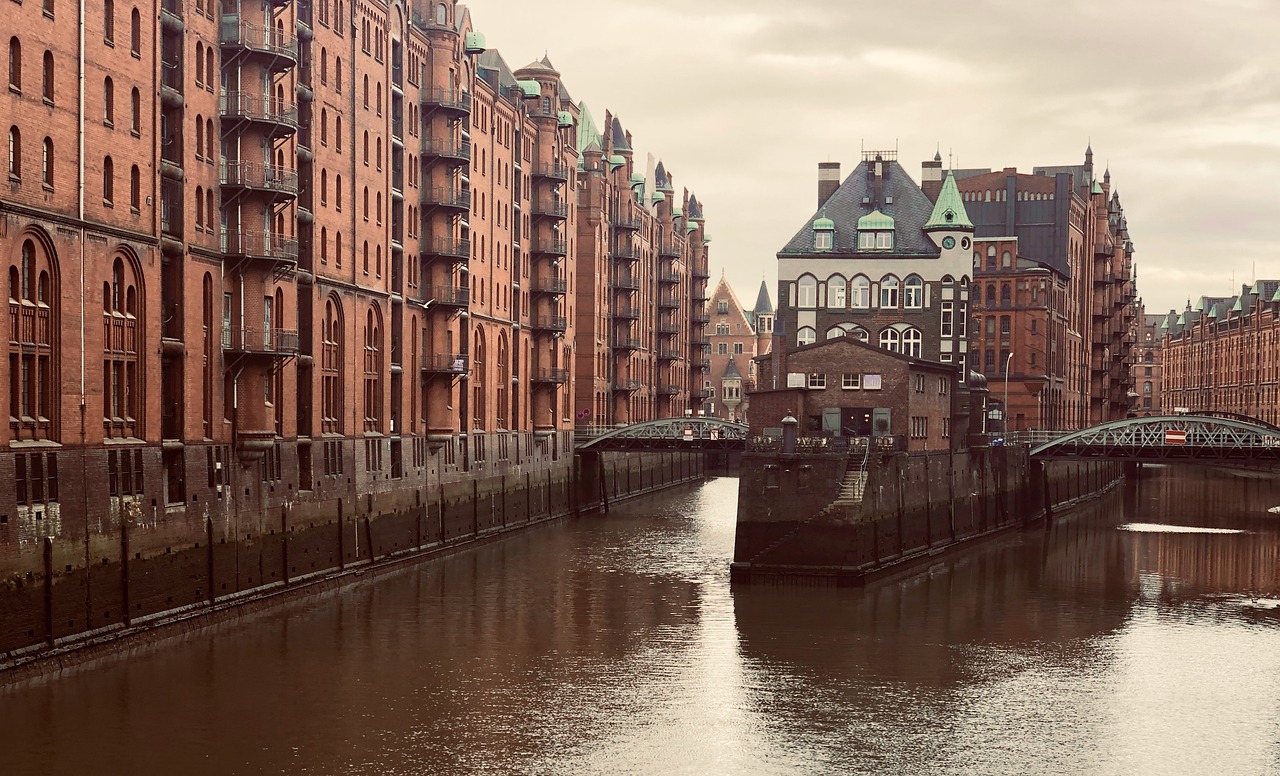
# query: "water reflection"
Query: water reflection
{"points": [[615, 645]]}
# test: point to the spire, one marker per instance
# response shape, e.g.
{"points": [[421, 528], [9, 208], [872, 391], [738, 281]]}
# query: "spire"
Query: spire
{"points": [[763, 303], [948, 211]]}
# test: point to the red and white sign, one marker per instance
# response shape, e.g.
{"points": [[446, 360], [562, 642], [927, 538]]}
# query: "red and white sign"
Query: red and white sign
{"points": [[1175, 436]]}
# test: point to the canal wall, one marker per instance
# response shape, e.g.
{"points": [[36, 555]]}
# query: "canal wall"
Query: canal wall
{"points": [[125, 573], [799, 522]]}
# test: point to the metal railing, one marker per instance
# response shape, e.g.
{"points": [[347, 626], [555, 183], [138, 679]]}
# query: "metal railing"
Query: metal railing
{"points": [[258, 175], [268, 245], [626, 385], [259, 340], [447, 147], [450, 99], [547, 285], [259, 107], [554, 170], [626, 342], [552, 247], [627, 313], [551, 208], [448, 246], [626, 281], [550, 375], [233, 31], [446, 197], [453, 296], [444, 363], [549, 322]]}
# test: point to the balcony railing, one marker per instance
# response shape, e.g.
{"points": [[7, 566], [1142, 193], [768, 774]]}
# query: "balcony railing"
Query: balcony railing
{"points": [[234, 31], [668, 302], [239, 339], [699, 272], [444, 363], [556, 323], [447, 147], [667, 327], [448, 246], [259, 107], [627, 252], [627, 223], [670, 250], [447, 99], [545, 285], [627, 313], [550, 375], [446, 197], [262, 245], [626, 386], [551, 247], [555, 171], [626, 342], [700, 393], [171, 208], [702, 317], [257, 175], [450, 296], [550, 208], [667, 354], [668, 277], [667, 389]]}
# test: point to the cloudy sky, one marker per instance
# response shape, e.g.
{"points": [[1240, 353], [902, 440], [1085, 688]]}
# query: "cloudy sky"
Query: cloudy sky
{"points": [[742, 98]]}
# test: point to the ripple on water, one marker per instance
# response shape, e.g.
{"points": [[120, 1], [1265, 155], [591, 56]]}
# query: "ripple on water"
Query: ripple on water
{"points": [[1165, 528]]}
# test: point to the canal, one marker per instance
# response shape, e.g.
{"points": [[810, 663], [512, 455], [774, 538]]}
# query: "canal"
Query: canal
{"points": [[1138, 635]]}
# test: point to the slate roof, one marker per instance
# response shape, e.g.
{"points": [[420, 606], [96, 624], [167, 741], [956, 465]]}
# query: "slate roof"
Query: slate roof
{"points": [[695, 209], [619, 137], [910, 211], [731, 371], [763, 303], [493, 69]]}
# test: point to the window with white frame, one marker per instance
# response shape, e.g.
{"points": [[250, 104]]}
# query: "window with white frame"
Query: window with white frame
{"points": [[919, 426], [860, 297], [889, 292], [817, 380], [913, 293], [835, 331], [822, 240], [911, 343], [835, 292], [807, 292], [850, 381], [918, 380], [884, 240], [807, 335], [948, 319], [889, 340]]}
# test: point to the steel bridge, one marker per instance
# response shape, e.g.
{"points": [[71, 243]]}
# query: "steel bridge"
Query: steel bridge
{"points": [[1206, 438], [686, 434]]}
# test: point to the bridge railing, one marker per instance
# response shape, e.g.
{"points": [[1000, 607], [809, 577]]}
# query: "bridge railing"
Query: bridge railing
{"points": [[1033, 438], [829, 444]]}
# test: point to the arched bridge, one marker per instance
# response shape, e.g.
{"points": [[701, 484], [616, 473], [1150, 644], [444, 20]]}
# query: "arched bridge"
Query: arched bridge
{"points": [[687, 434], [1219, 438]]}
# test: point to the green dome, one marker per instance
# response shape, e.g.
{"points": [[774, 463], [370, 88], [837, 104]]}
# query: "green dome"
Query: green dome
{"points": [[875, 220], [822, 223]]}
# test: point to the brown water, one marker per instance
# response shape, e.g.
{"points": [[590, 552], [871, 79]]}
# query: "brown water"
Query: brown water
{"points": [[615, 645]]}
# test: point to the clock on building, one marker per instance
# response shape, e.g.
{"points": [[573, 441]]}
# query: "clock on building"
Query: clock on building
{"points": [[948, 242]]}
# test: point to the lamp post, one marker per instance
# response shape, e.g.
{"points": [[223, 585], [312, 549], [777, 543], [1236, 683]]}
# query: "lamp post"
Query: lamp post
{"points": [[1006, 391]]}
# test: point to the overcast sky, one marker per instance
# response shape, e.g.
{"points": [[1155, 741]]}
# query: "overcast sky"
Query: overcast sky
{"points": [[742, 98]]}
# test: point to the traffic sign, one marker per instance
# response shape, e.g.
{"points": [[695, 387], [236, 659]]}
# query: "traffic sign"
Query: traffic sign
{"points": [[1175, 436]]}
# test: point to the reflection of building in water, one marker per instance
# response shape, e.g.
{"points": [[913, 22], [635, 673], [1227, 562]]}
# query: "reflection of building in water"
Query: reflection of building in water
{"points": [[1194, 563]]}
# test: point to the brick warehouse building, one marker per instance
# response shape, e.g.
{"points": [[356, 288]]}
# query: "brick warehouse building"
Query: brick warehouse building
{"points": [[1223, 354], [737, 336], [341, 236], [1071, 225], [1148, 364]]}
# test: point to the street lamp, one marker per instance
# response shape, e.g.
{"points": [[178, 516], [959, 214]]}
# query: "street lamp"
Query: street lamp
{"points": [[1006, 391]]}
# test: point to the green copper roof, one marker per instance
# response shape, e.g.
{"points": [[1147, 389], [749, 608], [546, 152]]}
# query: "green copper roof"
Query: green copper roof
{"points": [[948, 211], [617, 160], [1097, 188], [588, 132], [564, 118], [658, 196], [689, 227], [706, 238], [530, 88], [677, 211], [823, 223], [474, 43], [875, 220], [1276, 298]]}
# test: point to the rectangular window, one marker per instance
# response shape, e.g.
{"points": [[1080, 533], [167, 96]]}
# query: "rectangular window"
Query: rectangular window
{"points": [[850, 381], [737, 350], [822, 241], [866, 240], [948, 319], [919, 383], [817, 380], [964, 320], [872, 382], [884, 240]]}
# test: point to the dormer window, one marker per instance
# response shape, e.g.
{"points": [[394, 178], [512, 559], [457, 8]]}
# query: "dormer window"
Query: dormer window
{"points": [[824, 233], [822, 241], [875, 232]]}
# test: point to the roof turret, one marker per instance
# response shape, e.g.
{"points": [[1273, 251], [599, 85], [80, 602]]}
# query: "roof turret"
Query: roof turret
{"points": [[763, 303], [948, 211]]}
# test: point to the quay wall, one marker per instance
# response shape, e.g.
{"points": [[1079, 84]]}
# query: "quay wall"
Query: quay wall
{"points": [[119, 569], [792, 528]]}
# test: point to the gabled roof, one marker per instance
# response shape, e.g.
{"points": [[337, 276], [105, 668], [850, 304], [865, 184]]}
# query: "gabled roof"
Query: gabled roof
{"points": [[948, 211], [493, 68], [851, 342], [910, 210]]}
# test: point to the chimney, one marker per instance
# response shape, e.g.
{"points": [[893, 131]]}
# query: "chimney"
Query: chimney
{"points": [[828, 181], [931, 177]]}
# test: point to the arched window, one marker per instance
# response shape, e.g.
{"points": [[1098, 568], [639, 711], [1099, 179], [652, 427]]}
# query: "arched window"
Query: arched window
{"points": [[135, 188], [377, 267], [366, 147], [911, 342], [199, 137], [378, 158], [1146, 387], [337, 133], [991, 257], [913, 293], [15, 64], [135, 111], [337, 191], [835, 331], [861, 294], [48, 77], [324, 126], [1005, 294], [33, 318], [365, 201], [210, 204], [365, 100], [806, 335], [722, 329], [440, 14], [122, 351], [807, 292], [15, 152], [836, 292], [135, 33], [199, 63], [324, 245], [208, 140], [1147, 357], [479, 379], [337, 70], [378, 103], [857, 332], [991, 295], [108, 181], [373, 370], [46, 161], [504, 380], [199, 208], [889, 340], [889, 292], [324, 66], [108, 102], [337, 250], [210, 72], [331, 367], [377, 211], [1006, 260], [324, 187], [364, 268]]}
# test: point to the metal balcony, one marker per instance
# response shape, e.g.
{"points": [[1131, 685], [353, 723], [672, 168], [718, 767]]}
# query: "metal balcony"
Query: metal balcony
{"points": [[551, 247], [258, 341], [699, 272], [453, 150], [444, 364], [557, 171], [668, 277], [550, 209], [447, 247], [667, 327], [550, 285], [667, 302], [702, 318], [260, 245], [670, 250], [627, 313], [627, 223], [667, 389], [626, 342], [700, 393], [448, 100], [549, 375], [281, 182], [667, 354], [552, 323], [626, 386], [282, 47], [448, 296], [626, 252], [261, 108], [451, 199], [626, 282]]}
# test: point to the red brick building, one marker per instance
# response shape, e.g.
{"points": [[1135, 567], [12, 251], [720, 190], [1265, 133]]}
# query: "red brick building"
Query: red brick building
{"points": [[1223, 354], [844, 387], [735, 343], [1148, 364], [295, 254]]}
